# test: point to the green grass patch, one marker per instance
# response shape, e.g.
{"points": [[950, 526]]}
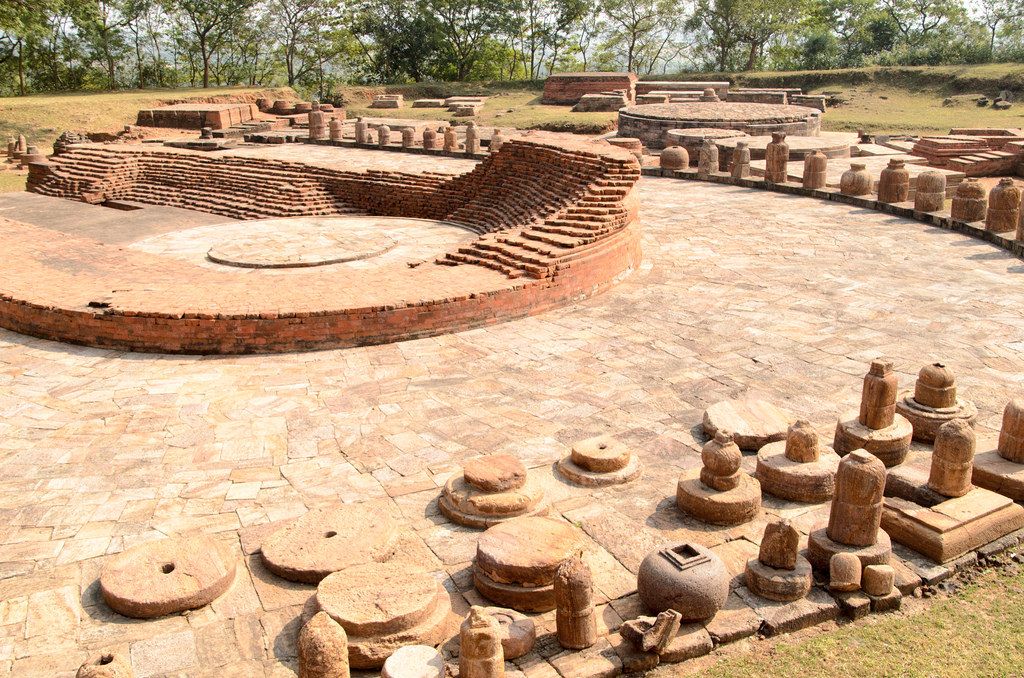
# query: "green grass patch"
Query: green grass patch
{"points": [[974, 633], [42, 117]]}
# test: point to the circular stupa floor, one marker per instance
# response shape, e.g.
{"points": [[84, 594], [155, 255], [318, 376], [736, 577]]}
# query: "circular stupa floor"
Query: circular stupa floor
{"points": [[741, 291]]}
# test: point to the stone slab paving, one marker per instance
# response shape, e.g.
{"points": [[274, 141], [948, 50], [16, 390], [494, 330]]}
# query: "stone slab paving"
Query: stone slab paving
{"points": [[742, 294]]}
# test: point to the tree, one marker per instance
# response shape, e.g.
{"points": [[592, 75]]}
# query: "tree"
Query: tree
{"points": [[761, 21], [996, 13], [642, 31], [716, 24], [211, 23], [918, 20], [465, 27]]}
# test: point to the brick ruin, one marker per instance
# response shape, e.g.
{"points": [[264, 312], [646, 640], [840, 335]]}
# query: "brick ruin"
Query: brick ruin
{"points": [[197, 116], [556, 221], [568, 88]]}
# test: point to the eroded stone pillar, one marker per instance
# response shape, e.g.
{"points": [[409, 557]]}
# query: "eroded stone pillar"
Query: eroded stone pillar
{"points": [[707, 163], [776, 159], [815, 168], [894, 182], [740, 161], [953, 459], [856, 513], [1003, 207], [970, 203], [481, 655], [575, 618], [931, 192], [323, 648]]}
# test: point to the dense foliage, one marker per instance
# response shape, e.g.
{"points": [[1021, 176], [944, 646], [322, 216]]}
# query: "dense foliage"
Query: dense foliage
{"points": [[312, 44]]}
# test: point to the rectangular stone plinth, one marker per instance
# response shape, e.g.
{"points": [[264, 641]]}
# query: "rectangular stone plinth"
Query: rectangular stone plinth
{"points": [[197, 116], [649, 86], [994, 473], [948, 530]]}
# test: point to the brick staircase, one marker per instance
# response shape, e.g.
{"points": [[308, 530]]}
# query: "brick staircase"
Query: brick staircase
{"points": [[539, 207]]}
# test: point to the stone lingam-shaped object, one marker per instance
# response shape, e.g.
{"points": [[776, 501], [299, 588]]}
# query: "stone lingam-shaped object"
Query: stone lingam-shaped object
{"points": [[970, 202], [707, 162], [472, 138], [451, 140], [383, 606], [855, 181], [323, 648], [876, 427], [939, 514], [1001, 469], [776, 159], [689, 579], [739, 168], [337, 129], [719, 493], [855, 516], [575, 618], [779, 572], [1003, 207], [599, 462], [516, 561], [815, 170], [930, 195], [934, 402], [480, 652], [362, 132], [894, 182], [798, 468], [492, 489]]}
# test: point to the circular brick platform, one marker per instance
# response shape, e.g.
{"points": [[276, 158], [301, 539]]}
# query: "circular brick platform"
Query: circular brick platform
{"points": [[303, 242], [651, 122]]}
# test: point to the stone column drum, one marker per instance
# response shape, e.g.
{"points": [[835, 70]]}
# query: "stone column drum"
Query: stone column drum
{"points": [[430, 139], [934, 402], [336, 129], [740, 168], [776, 157], [877, 427], [856, 515], [855, 181], [575, 618], [931, 192], [384, 137], [707, 163], [894, 182], [970, 203], [451, 140], [317, 123], [815, 170], [497, 141], [361, 131], [1003, 207]]}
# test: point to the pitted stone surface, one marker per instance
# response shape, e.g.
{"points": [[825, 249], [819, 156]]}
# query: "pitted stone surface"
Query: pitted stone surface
{"points": [[753, 422], [384, 606], [526, 551], [327, 540], [166, 576], [495, 472]]}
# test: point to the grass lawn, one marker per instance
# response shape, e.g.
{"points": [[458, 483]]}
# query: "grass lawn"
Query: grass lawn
{"points": [[885, 108], [976, 632], [42, 117], [11, 182]]}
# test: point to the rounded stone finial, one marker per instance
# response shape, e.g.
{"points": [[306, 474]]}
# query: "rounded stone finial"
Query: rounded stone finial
{"points": [[722, 456], [844, 572], [802, 442], [675, 158], [936, 386]]}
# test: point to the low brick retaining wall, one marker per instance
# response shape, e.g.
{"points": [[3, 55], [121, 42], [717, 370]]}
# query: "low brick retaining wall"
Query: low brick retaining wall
{"points": [[567, 88]]}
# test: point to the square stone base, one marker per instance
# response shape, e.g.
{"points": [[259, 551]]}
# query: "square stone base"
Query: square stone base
{"points": [[995, 473], [950, 529]]}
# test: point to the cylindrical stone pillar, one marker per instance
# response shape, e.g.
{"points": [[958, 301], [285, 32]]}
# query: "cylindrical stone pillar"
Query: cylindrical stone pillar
{"points": [[856, 513], [575, 618]]}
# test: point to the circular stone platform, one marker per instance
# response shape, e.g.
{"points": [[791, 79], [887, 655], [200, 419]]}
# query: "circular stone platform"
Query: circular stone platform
{"points": [[811, 482], [167, 576], [327, 540], [302, 242], [753, 423], [651, 122], [799, 146], [382, 607]]}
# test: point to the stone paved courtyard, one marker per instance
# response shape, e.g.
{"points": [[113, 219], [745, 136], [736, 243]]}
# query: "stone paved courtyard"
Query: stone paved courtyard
{"points": [[740, 292]]}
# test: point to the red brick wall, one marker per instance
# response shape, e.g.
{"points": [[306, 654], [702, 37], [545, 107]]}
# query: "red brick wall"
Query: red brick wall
{"points": [[567, 88]]}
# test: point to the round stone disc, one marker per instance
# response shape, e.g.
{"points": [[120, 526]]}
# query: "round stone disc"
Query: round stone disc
{"points": [[327, 540], [414, 661], [731, 507], [524, 598], [167, 576], [602, 454], [495, 472], [926, 421], [889, 444], [753, 423], [779, 585], [811, 482], [377, 599], [581, 476], [526, 551]]}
